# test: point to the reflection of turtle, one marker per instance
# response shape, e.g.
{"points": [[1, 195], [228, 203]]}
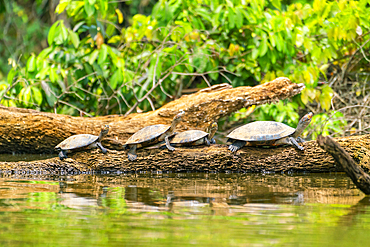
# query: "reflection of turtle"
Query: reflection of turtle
{"points": [[151, 135], [268, 133], [83, 141], [195, 137]]}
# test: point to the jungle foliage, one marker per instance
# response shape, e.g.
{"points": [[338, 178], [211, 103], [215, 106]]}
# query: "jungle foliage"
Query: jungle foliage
{"points": [[95, 64]]}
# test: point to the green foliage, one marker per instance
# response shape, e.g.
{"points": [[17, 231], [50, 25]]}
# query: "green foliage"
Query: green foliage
{"points": [[325, 124], [97, 67]]}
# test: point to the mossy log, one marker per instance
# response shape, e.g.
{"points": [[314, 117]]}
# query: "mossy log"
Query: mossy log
{"points": [[359, 177], [215, 158], [30, 131]]}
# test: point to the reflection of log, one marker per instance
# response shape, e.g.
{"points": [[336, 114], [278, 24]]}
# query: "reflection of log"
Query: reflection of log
{"points": [[356, 173], [216, 158], [243, 188], [29, 131]]}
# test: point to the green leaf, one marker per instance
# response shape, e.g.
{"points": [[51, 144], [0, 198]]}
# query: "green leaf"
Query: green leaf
{"points": [[26, 95], [263, 48], [51, 34], [44, 53], [239, 18], [89, 8], [11, 75], [63, 32], [255, 52], [31, 65], [231, 18], [116, 79], [37, 96], [103, 54], [61, 6], [114, 39], [276, 4], [93, 56], [53, 75], [74, 38]]}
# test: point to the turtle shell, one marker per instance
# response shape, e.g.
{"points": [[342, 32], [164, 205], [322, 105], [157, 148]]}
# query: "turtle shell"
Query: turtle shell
{"points": [[148, 134], [261, 131], [188, 136], [77, 141]]}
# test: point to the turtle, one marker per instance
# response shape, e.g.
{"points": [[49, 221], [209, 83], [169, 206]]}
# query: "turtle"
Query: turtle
{"points": [[82, 141], [151, 135], [268, 133], [195, 137]]}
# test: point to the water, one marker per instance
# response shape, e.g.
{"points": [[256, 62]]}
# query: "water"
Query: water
{"points": [[183, 210]]}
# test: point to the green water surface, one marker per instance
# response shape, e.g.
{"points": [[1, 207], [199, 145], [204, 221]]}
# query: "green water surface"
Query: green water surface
{"points": [[183, 210]]}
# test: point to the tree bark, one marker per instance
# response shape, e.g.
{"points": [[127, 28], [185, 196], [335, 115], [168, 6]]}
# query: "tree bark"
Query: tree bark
{"points": [[215, 158], [30, 131], [355, 172]]}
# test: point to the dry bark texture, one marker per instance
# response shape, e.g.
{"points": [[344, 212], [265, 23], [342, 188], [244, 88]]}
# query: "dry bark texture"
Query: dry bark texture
{"points": [[30, 131], [355, 172], [215, 158]]}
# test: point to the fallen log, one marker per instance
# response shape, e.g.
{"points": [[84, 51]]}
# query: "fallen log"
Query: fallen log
{"points": [[30, 131], [215, 158], [355, 172]]}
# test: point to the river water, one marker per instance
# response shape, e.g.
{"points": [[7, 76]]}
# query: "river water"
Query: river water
{"points": [[183, 210]]}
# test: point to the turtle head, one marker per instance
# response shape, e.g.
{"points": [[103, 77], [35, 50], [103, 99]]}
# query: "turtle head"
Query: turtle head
{"points": [[306, 119], [104, 130], [212, 130], [178, 117], [303, 123]]}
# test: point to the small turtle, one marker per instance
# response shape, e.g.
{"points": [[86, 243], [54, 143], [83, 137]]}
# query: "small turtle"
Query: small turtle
{"points": [[195, 137], [268, 133], [82, 141], [151, 135]]}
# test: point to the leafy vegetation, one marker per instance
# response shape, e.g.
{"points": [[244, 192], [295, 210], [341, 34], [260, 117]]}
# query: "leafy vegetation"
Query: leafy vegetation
{"points": [[96, 66]]}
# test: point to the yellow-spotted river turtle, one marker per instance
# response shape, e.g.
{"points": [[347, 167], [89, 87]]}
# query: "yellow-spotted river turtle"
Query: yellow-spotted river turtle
{"points": [[195, 137], [268, 133], [151, 135], [82, 141]]}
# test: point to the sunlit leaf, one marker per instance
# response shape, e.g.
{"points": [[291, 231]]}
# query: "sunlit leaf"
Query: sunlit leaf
{"points": [[11, 75], [61, 6], [93, 56], [74, 38], [51, 34], [31, 64], [37, 96], [89, 8], [103, 54]]}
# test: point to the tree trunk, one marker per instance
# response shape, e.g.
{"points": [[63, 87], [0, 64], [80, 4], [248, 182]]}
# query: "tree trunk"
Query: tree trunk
{"points": [[215, 158], [30, 131], [355, 172]]}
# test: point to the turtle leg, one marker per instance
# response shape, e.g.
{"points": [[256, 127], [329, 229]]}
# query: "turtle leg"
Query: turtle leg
{"points": [[213, 141], [169, 147], [131, 153], [291, 141], [295, 143], [206, 141], [300, 139], [103, 149], [236, 145], [62, 154]]}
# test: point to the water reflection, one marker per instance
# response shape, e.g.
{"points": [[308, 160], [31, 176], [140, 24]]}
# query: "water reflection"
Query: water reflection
{"points": [[172, 192], [182, 209]]}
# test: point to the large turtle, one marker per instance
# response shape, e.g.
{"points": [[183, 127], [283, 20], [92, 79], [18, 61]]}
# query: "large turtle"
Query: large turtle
{"points": [[195, 137], [82, 141], [151, 135], [268, 133]]}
